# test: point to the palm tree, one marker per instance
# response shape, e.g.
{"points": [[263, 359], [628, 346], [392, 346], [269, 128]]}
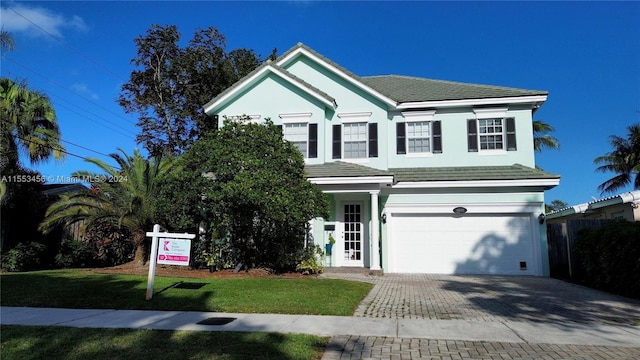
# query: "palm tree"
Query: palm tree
{"points": [[121, 197], [541, 139], [6, 41], [27, 122], [624, 160]]}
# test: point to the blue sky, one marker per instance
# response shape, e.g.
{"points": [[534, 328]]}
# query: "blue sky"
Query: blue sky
{"points": [[586, 54]]}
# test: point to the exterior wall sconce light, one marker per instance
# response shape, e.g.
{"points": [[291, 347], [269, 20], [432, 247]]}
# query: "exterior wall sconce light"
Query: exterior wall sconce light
{"points": [[460, 210], [384, 218], [541, 218]]}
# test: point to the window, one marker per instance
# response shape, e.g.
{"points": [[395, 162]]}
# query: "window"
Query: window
{"points": [[297, 129], [356, 137], [355, 140], [491, 134], [419, 137], [420, 134], [297, 133]]}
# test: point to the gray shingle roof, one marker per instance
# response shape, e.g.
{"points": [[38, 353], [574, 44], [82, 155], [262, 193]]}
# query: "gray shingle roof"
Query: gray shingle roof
{"points": [[342, 169], [398, 88], [414, 89], [472, 173]]}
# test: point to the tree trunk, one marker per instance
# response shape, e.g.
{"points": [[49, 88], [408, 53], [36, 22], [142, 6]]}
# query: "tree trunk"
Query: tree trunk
{"points": [[139, 258]]}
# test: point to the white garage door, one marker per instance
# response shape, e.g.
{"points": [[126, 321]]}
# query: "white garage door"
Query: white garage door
{"points": [[470, 244]]}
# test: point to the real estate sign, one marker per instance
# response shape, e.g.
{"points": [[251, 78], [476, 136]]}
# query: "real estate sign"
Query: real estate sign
{"points": [[174, 251], [167, 248]]}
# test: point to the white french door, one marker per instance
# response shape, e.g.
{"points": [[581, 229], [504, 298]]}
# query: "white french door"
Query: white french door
{"points": [[353, 234]]}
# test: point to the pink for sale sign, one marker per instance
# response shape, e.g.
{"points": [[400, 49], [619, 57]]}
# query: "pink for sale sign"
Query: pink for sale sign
{"points": [[174, 251]]}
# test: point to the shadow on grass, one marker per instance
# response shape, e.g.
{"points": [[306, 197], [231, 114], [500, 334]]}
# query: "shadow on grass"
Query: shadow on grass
{"points": [[81, 290], [28, 342], [85, 290]]}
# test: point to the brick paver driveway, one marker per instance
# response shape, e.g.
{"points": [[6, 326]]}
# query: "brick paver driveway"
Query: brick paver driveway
{"points": [[491, 298], [482, 298]]}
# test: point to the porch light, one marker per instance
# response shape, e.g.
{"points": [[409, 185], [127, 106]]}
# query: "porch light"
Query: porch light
{"points": [[460, 210], [541, 218], [384, 218]]}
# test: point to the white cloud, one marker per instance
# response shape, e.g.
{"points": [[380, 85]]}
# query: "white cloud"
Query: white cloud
{"points": [[84, 90], [38, 21]]}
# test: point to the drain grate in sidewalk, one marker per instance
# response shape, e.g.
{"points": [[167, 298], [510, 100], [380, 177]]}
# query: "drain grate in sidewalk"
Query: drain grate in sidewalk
{"points": [[216, 321]]}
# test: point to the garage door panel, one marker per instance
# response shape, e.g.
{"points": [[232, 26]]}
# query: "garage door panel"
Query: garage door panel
{"points": [[492, 244]]}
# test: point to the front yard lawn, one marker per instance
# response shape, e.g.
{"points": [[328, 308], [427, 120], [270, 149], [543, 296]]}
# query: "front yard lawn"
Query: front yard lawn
{"points": [[36, 342], [82, 289]]}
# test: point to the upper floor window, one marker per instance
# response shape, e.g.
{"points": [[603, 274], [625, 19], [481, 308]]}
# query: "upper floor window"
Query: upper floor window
{"points": [[419, 134], [419, 137], [298, 134], [355, 140], [356, 137], [491, 134], [304, 135]]}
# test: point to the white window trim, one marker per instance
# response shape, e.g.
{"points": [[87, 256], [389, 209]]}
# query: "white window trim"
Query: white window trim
{"points": [[295, 117], [355, 117], [488, 113], [415, 116]]}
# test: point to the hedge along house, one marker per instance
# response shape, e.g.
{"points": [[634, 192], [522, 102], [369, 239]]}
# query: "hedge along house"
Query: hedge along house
{"points": [[424, 176]]}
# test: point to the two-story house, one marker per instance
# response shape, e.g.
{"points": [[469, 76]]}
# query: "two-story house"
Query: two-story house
{"points": [[423, 176]]}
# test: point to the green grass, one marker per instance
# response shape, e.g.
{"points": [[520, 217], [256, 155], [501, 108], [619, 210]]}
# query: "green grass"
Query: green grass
{"points": [[36, 342], [83, 289]]}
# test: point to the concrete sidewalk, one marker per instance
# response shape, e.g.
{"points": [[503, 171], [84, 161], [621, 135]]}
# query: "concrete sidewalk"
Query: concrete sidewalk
{"points": [[464, 330]]}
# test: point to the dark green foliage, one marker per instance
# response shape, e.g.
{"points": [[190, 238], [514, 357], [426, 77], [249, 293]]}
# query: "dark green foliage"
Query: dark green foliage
{"points": [[610, 257], [172, 83], [25, 257], [246, 182], [75, 254]]}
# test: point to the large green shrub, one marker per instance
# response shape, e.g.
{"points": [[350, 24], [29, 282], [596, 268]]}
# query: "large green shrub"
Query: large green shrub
{"points": [[25, 257], [610, 257], [76, 254]]}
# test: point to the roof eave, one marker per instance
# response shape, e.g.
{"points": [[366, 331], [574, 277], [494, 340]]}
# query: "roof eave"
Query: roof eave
{"points": [[352, 180], [535, 100], [540, 183]]}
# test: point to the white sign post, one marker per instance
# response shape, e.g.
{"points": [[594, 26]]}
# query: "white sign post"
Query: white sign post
{"points": [[175, 250]]}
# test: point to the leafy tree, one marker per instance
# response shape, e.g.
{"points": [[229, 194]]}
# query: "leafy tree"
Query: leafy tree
{"points": [[624, 160], [171, 83], [248, 183], [541, 137], [121, 197]]}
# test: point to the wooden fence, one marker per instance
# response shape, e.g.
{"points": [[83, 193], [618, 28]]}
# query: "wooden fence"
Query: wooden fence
{"points": [[564, 263]]}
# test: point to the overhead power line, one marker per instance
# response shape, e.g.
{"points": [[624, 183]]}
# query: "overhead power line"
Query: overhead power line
{"points": [[66, 44], [64, 151], [69, 90]]}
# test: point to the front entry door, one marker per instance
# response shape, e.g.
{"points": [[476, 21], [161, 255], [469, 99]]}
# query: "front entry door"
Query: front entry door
{"points": [[353, 235]]}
